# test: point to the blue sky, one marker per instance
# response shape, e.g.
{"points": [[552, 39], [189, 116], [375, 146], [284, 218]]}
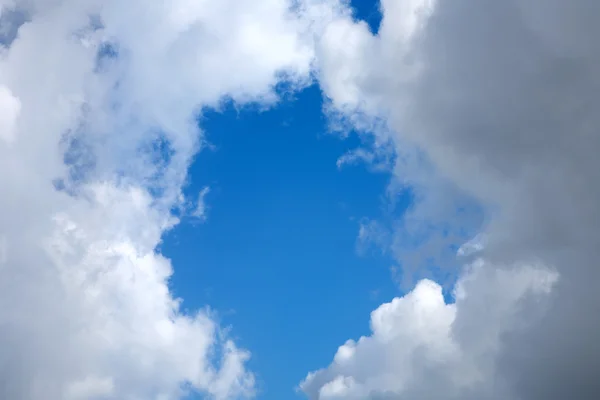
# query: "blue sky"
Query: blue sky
{"points": [[277, 255]]}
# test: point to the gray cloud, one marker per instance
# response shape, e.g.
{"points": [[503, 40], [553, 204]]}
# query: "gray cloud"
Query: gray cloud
{"points": [[502, 98]]}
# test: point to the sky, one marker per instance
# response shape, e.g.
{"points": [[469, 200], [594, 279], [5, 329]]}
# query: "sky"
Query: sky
{"points": [[279, 246], [308, 199]]}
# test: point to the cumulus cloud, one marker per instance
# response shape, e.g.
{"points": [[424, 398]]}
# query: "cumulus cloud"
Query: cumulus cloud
{"points": [[98, 108], [422, 347], [500, 99]]}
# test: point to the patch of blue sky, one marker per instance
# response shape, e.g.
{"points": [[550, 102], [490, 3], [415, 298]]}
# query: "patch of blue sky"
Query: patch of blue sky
{"points": [[368, 11], [276, 256]]}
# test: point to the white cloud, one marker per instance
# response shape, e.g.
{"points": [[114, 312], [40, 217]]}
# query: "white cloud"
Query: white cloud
{"points": [[377, 160], [10, 107], [500, 98], [90, 388], [422, 347], [201, 207], [98, 100]]}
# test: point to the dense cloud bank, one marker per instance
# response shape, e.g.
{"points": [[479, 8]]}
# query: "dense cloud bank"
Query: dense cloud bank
{"points": [[502, 98]]}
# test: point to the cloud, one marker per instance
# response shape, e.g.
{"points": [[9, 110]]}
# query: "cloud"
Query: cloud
{"points": [[422, 347], [371, 233], [378, 160], [98, 123], [10, 107], [201, 207], [500, 99]]}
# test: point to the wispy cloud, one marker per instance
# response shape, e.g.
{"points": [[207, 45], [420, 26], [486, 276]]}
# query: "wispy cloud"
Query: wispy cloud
{"points": [[201, 209]]}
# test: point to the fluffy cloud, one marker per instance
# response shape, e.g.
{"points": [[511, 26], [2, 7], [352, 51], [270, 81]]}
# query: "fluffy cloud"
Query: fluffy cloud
{"points": [[98, 107], [500, 97], [424, 348]]}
